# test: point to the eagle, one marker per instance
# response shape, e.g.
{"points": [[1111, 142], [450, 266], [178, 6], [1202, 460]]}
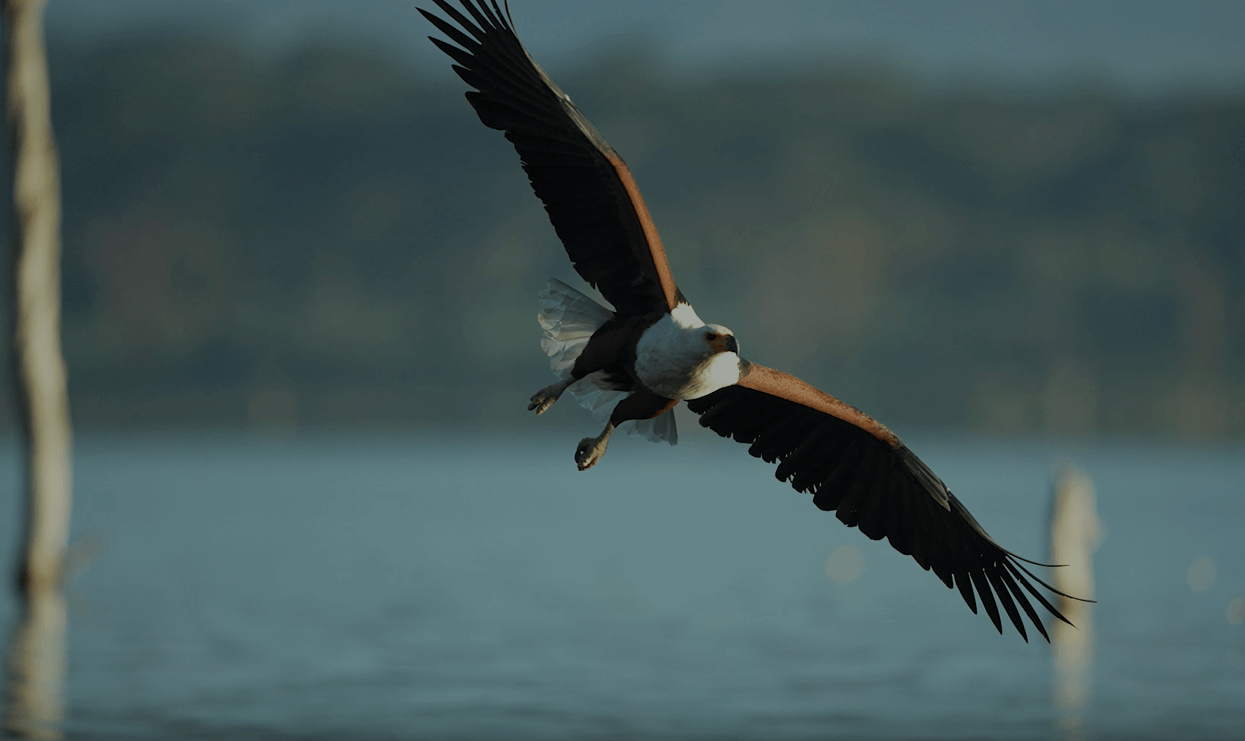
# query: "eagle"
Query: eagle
{"points": [[633, 363]]}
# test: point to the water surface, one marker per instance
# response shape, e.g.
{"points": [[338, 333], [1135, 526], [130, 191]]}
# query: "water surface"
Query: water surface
{"points": [[386, 587]]}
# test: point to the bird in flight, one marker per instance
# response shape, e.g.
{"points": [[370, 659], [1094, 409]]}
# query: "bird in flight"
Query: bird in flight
{"points": [[633, 363]]}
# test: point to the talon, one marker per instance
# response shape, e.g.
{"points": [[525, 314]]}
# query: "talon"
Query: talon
{"points": [[591, 449], [543, 399], [586, 455]]}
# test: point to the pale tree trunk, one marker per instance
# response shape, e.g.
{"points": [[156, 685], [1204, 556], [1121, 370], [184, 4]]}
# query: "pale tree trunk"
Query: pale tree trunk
{"points": [[34, 705], [1074, 535]]}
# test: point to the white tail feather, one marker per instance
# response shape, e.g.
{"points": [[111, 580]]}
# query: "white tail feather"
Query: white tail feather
{"points": [[569, 318]]}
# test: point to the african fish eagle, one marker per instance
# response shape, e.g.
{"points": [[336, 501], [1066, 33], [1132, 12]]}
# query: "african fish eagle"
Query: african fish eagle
{"points": [[634, 363]]}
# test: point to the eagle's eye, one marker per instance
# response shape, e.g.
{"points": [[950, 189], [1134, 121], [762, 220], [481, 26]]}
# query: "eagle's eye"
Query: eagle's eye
{"points": [[711, 336]]}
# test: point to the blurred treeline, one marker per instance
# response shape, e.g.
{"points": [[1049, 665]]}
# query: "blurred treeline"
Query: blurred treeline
{"points": [[331, 238]]}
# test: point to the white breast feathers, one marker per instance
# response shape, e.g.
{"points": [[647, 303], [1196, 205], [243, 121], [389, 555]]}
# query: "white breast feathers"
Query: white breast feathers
{"points": [[675, 359]]}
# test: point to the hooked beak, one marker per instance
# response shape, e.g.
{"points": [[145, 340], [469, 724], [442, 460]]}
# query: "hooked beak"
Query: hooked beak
{"points": [[724, 343]]}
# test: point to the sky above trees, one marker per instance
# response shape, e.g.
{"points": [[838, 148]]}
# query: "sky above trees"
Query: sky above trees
{"points": [[1145, 47]]}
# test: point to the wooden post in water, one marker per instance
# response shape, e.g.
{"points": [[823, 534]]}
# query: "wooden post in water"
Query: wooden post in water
{"points": [[1074, 535], [34, 706]]}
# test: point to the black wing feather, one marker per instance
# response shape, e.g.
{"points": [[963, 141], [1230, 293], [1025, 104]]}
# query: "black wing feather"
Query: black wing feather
{"points": [[573, 171], [884, 490]]}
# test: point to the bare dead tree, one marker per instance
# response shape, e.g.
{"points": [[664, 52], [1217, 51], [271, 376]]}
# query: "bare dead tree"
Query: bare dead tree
{"points": [[37, 656], [1074, 534]]}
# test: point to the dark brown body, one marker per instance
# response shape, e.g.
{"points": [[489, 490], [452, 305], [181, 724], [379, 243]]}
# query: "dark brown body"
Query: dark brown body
{"points": [[612, 350]]}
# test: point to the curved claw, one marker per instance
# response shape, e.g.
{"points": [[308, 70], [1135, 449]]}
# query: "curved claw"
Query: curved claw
{"points": [[540, 403], [588, 453], [543, 399], [591, 449]]}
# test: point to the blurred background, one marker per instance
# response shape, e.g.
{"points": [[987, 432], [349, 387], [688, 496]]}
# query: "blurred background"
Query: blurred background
{"points": [[1020, 219], [299, 298]]}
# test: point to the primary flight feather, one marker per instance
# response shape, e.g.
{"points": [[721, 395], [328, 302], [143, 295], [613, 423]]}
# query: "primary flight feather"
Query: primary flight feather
{"points": [[635, 362]]}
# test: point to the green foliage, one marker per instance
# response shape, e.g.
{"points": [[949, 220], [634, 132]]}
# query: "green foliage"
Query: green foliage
{"points": [[328, 238]]}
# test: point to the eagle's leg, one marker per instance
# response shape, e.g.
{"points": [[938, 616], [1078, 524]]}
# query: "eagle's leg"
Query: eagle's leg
{"points": [[639, 404], [601, 352], [591, 449], [543, 399]]}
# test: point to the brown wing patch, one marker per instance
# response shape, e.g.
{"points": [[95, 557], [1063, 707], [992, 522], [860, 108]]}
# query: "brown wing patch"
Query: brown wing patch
{"points": [[655, 248], [786, 386]]}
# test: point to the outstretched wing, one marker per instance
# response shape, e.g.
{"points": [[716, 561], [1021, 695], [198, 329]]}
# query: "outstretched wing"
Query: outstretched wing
{"points": [[857, 467], [591, 198]]}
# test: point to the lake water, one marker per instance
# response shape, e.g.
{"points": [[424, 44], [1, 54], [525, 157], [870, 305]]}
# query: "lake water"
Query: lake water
{"points": [[478, 587]]}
